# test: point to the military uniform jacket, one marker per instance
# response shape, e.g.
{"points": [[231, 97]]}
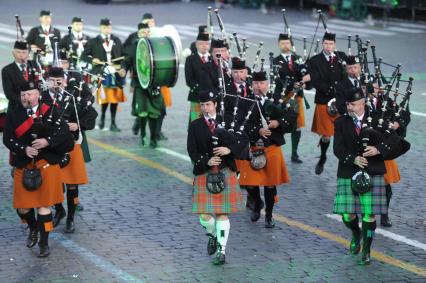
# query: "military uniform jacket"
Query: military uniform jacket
{"points": [[348, 145], [343, 89], [210, 76], [294, 74], [36, 36], [68, 40], [129, 42], [95, 48], [13, 79], [59, 139], [200, 146], [270, 111], [325, 76], [193, 76]]}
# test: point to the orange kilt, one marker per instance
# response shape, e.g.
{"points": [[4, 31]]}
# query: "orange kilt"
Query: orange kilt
{"points": [[49, 193], [323, 124], [301, 114], [273, 174], [110, 95], [75, 172], [392, 173], [167, 96]]}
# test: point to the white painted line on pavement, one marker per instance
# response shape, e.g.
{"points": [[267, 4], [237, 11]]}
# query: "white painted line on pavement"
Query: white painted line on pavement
{"points": [[351, 30], [389, 235], [393, 236], [174, 153], [405, 30], [418, 113], [101, 263]]}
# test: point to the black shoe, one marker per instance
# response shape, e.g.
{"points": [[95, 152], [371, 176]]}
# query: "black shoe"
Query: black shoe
{"points": [[355, 246], [219, 259], [255, 215], [69, 226], [59, 215], [44, 251], [101, 124], [211, 244], [320, 166], [365, 259], [135, 127], [385, 221], [269, 222], [296, 159], [32, 238], [153, 144], [162, 137], [114, 128]]}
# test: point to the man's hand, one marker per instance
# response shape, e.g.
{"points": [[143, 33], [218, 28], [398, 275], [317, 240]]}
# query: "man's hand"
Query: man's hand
{"points": [[395, 125], [273, 124], [265, 132], [370, 151], [96, 61], [221, 151], [31, 152], [361, 161], [73, 127], [306, 78], [40, 143], [34, 48], [122, 73], [214, 161]]}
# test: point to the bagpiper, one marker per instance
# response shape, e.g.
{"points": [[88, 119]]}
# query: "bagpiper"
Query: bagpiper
{"points": [[37, 138], [361, 151], [326, 69], [216, 192], [292, 72], [267, 167], [193, 72]]}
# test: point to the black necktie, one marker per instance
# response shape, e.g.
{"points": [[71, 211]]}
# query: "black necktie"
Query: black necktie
{"points": [[356, 83]]}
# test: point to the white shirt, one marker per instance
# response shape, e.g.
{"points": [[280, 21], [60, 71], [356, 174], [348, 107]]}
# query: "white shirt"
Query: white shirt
{"points": [[204, 56], [327, 56], [210, 118], [353, 81], [33, 108], [45, 28], [286, 56], [19, 66]]}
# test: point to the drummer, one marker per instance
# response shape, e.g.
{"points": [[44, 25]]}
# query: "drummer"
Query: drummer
{"points": [[41, 38], [147, 103], [148, 19], [106, 51]]}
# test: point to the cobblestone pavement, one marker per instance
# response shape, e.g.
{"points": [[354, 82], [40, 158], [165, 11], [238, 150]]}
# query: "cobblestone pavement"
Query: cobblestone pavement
{"points": [[137, 225]]}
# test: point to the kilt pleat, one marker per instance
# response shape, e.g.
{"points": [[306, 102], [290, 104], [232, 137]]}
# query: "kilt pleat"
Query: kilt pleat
{"points": [[373, 202], [323, 124], [228, 201], [392, 175]]}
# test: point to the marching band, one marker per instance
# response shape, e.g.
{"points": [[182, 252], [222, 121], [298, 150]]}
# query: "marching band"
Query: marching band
{"points": [[238, 118]]}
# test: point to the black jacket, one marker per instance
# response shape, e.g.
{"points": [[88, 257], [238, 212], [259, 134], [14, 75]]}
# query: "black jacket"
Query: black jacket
{"points": [[34, 38], [347, 145], [271, 111], [13, 79], [193, 76], [95, 48], [343, 89], [293, 75], [200, 145], [59, 138], [65, 42], [324, 76]]}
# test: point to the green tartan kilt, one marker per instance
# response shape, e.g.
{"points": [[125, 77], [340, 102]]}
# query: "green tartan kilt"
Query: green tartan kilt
{"points": [[145, 104], [194, 111], [373, 202], [228, 201]]}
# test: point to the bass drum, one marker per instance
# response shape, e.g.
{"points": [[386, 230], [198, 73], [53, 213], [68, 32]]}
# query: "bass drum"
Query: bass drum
{"points": [[158, 57]]}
